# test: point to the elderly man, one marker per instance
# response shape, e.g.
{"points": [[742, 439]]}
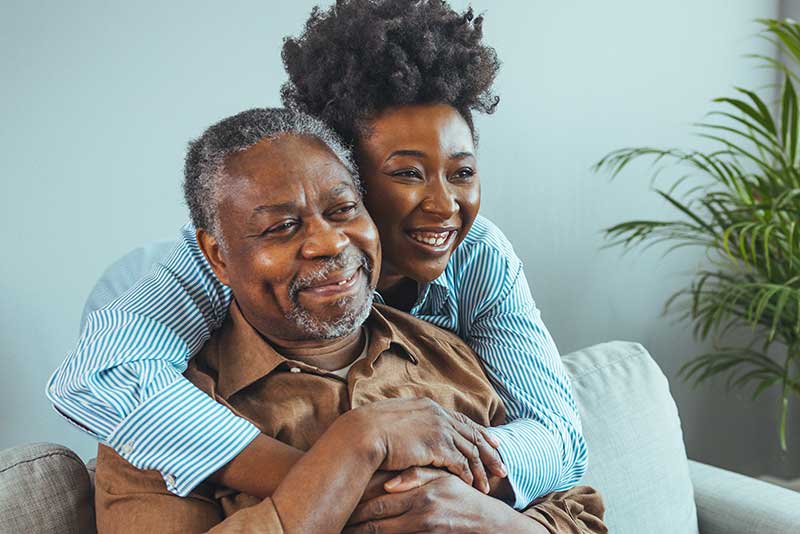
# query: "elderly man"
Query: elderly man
{"points": [[308, 359]]}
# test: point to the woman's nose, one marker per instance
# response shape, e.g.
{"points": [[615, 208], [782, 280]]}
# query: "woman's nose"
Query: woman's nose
{"points": [[439, 200]]}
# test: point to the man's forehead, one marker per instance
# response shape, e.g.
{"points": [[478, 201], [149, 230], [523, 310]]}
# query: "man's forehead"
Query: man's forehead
{"points": [[286, 169], [282, 151], [295, 195]]}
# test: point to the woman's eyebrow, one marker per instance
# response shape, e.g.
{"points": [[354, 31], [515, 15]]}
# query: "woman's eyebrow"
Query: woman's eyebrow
{"points": [[415, 153], [420, 154]]}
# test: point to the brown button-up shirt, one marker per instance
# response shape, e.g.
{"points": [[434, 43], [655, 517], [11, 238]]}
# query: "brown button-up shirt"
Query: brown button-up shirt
{"points": [[295, 403]]}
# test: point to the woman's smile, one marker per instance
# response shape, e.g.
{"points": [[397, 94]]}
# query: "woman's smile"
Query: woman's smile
{"points": [[434, 241]]}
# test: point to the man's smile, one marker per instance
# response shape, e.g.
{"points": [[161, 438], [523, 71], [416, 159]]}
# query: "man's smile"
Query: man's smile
{"points": [[337, 284]]}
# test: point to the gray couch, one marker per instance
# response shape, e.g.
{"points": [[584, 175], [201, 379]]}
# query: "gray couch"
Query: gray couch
{"points": [[637, 458]]}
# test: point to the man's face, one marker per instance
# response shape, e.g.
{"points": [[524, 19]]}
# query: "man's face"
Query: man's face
{"points": [[301, 254]]}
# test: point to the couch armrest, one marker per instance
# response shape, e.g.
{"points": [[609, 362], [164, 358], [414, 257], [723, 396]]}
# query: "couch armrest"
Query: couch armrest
{"points": [[730, 503], [45, 488]]}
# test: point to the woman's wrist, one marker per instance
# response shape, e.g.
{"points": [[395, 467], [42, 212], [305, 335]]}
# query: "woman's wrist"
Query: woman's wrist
{"points": [[362, 437]]}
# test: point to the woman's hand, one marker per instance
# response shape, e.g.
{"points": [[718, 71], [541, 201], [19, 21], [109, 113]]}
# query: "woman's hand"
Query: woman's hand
{"points": [[419, 432], [439, 502]]}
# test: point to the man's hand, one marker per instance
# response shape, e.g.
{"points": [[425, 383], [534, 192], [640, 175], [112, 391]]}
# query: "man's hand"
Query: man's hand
{"points": [[436, 501], [419, 432]]}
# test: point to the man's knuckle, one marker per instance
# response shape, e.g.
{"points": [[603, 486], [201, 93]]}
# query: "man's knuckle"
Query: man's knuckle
{"points": [[423, 500], [429, 523], [378, 508], [413, 475], [472, 453]]}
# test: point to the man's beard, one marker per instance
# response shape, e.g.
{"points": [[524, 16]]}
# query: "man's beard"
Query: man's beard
{"points": [[354, 313]]}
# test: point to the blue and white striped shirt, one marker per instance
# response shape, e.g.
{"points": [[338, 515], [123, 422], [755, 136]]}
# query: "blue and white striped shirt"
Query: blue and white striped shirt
{"points": [[124, 381]]}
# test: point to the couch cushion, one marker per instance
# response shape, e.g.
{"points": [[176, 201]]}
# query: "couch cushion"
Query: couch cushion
{"points": [[637, 459], [44, 488]]}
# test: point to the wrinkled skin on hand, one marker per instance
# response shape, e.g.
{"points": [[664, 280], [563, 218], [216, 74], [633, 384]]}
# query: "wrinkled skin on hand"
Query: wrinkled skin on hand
{"points": [[419, 432]]}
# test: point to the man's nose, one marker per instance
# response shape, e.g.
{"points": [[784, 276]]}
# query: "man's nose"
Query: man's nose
{"points": [[323, 240], [439, 199]]}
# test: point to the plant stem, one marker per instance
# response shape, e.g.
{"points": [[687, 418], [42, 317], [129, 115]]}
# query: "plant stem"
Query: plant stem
{"points": [[790, 354]]}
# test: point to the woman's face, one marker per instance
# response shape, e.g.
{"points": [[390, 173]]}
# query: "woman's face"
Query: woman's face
{"points": [[423, 192]]}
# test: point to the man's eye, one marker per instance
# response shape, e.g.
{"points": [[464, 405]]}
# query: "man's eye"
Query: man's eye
{"points": [[346, 209], [281, 228]]}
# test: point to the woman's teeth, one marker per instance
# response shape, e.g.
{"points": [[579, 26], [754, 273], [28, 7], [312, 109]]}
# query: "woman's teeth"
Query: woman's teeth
{"points": [[431, 238]]}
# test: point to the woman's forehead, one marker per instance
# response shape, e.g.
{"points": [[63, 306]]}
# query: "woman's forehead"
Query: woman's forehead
{"points": [[425, 128]]}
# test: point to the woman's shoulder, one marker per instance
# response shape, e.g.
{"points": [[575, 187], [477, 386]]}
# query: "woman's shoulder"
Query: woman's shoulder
{"points": [[484, 266], [485, 241]]}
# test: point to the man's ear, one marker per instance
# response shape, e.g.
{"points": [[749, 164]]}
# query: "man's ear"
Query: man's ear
{"points": [[214, 253]]}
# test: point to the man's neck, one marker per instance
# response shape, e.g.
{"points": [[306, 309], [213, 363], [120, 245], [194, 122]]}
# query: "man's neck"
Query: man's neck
{"points": [[328, 354]]}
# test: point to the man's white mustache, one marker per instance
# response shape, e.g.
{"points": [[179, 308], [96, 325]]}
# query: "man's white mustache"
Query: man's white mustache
{"points": [[350, 259]]}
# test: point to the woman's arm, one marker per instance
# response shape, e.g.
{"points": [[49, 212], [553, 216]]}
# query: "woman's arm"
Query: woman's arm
{"points": [[323, 487], [124, 384], [542, 444], [542, 441], [319, 491]]}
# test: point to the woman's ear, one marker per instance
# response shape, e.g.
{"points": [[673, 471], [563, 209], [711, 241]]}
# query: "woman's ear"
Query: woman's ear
{"points": [[214, 253]]}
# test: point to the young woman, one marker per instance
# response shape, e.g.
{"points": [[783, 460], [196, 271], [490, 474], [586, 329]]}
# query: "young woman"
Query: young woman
{"points": [[399, 80]]}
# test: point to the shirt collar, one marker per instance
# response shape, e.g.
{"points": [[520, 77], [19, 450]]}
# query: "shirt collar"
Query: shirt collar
{"points": [[241, 356], [432, 295]]}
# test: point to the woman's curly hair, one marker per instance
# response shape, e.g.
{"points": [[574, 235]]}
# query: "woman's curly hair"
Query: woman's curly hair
{"points": [[359, 57]]}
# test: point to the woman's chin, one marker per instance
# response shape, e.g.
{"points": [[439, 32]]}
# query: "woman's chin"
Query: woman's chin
{"points": [[427, 272]]}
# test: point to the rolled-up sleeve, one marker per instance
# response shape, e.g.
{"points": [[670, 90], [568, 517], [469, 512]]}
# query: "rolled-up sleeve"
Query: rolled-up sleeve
{"points": [[123, 383]]}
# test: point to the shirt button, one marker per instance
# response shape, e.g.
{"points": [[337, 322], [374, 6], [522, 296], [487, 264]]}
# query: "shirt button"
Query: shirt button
{"points": [[294, 370], [170, 480], [127, 448]]}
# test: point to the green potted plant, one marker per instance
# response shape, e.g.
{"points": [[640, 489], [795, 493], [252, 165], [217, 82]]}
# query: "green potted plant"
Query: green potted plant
{"points": [[745, 211]]}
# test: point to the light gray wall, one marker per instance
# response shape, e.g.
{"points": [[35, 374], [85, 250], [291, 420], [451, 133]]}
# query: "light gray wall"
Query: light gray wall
{"points": [[98, 100]]}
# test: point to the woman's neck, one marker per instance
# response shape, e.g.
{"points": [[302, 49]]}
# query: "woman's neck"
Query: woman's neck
{"points": [[398, 291]]}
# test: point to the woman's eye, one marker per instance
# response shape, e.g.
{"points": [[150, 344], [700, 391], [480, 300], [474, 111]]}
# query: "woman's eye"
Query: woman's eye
{"points": [[408, 173], [464, 173]]}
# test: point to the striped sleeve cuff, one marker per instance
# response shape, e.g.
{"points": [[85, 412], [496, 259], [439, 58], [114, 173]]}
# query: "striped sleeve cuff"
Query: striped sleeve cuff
{"points": [[183, 433], [532, 458]]}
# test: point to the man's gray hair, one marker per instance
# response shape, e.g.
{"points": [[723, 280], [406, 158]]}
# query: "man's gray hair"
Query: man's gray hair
{"points": [[205, 159]]}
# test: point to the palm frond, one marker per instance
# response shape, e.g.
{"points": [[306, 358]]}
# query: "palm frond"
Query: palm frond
{"points": [[742, 206]]}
